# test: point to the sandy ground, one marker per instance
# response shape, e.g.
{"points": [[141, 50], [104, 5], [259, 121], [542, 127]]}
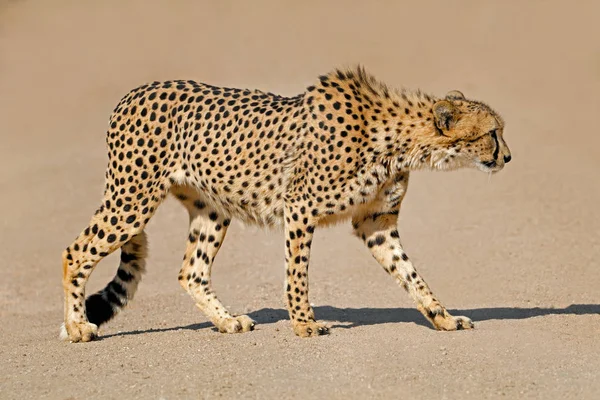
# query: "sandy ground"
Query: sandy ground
{"points": [[518, 253]]}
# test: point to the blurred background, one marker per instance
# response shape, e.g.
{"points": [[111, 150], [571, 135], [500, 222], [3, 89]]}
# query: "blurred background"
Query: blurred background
{"points": [[518, 252]]}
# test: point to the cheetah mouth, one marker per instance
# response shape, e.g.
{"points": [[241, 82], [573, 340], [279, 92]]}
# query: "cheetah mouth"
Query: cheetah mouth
{"points": [[489, 166]]}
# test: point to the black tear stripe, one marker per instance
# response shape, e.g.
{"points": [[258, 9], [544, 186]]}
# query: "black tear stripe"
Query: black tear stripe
{"points": [[497, 150]]}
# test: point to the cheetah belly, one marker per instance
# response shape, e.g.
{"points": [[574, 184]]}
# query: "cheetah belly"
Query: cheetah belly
{"points": [[248, 210], [252, 193]]}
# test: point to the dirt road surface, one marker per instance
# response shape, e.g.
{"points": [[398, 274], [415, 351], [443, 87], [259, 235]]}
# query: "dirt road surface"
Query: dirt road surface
{"points": [[518, 253]]}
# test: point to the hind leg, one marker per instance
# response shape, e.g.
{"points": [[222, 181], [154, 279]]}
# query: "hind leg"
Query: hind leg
{"points": [[206, 234], [97, 241], [117, 222]]}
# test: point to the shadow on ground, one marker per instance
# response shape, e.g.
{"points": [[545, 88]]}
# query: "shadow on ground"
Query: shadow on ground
{"points": [[351, 317]]}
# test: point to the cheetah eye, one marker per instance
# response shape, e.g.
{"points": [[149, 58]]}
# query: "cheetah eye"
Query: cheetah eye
{"points": [[491, 133]]}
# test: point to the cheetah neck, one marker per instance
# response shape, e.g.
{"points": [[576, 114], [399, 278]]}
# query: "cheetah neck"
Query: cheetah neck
{"points": [[402, 131], [397, 125]]}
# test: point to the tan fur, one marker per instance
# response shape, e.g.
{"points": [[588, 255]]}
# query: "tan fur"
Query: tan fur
{"points": [[342, 149]]}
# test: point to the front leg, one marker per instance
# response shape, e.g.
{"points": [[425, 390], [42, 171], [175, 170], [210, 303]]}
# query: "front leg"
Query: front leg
{"points": [[378, 229], [299, 229]]}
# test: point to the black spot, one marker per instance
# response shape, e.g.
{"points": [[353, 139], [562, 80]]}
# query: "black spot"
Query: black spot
{"points": [[98, 309], [116, 288], [124, 275], [127, 257]]}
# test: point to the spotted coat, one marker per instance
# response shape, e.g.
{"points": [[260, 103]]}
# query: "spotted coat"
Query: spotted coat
{"points": [[343, 149]]}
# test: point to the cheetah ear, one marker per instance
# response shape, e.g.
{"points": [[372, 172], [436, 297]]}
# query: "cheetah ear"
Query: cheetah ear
{"points": [[455, 95], [445, 115]]}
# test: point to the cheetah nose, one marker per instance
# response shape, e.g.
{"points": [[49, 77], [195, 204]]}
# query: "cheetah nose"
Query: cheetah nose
{"points": [[507, 159]]}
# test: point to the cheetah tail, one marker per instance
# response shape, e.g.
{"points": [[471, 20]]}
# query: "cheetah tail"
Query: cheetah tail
{"points": [[105, 304]]}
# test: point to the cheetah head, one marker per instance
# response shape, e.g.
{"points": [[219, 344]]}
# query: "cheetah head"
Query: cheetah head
{"points": [[469, 134]]}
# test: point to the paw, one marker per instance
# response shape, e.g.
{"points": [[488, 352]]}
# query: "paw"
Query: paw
{"points": [[451, 323], [462, 322], [443, 321], [78, 332], [241, 323], [310, 328]]}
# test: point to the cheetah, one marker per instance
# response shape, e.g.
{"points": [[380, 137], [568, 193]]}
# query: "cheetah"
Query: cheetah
{"points": [[341, 150]]}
